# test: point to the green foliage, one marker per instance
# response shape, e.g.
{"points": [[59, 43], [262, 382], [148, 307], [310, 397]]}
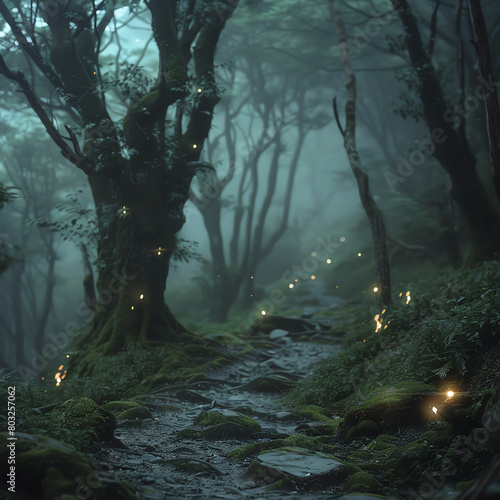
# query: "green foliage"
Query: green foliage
{"points": [[446, 330]]}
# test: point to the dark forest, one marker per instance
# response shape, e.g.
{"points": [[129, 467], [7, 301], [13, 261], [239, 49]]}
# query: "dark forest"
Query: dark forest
{"points": [[249, 249]]}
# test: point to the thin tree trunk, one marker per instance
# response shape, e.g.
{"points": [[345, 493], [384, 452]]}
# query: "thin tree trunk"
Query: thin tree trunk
{"points": [[372, 211]]}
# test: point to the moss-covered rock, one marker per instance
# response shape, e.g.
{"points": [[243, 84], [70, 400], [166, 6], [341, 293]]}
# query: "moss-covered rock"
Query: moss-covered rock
{"points": [[86, 416], [117, 407], [401, 402], [57, 471], [297, 441], [362, 482], [221, 416], [137, 413]]}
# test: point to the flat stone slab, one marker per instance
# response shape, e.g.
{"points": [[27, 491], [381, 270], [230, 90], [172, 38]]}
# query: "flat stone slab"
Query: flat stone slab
{"points": [[300, 462]]}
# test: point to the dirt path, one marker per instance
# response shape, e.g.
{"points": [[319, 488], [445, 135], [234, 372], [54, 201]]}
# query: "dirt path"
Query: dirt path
{"points": [[163, 465]]}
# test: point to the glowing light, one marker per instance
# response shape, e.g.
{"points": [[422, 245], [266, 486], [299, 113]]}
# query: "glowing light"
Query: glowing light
{"points": [[328, 261], [58, 375], [291, 285], [296, 280], [313, 254], [159, 252], [408, 297], [383, 312], [401, 294], [359, 254], [199, 91], [94, 73], [136, 39], [124, 211], [141, 296], [251, 277], [378, 322], [67, 355], [263, 313], [59, 380], [57, 385], [342, 239], [195, 146], [313, 277], [375, 289], [61, 367], [450, 394], [434, 409], [132, 308]]}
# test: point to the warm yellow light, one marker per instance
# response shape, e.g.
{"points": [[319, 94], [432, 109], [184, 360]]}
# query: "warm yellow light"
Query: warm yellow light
{"points": [[141, 296], [450, 394], [132, 308], [328, 261], [61, 367], [199, 91], [296, 280], [401, 294], [124, 211], [434, 409], [383, 312], [291, 285], [313, 277], [251, 277], [359, 254], [159, 252], [67, 355], [57, 385], [58, 375], [263, 313], [375, 289], [195, 146]]}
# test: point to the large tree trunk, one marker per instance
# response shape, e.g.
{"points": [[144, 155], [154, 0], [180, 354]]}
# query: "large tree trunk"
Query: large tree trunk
{"points": [[451, 149]]}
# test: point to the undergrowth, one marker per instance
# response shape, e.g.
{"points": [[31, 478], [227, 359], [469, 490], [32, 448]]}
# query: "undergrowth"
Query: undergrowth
{"points": [[447, 330]]}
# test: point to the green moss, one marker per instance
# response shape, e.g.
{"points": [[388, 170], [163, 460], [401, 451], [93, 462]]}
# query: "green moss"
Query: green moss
{"points": [[117, 407], [56, 469], [137, 413], [295, 440], [214, 417], [362, 482], [318, 414], [85, 416], [400, 402]]}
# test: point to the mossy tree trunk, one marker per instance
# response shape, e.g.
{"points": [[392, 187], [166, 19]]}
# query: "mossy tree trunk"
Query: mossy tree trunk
{"points": [[139, 175]]}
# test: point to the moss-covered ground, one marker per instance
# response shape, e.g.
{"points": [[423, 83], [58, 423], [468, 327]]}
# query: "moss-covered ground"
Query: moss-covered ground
{"points": [[410, 400]]}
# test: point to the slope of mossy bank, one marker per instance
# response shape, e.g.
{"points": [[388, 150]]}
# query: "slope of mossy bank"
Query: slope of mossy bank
{"points": [[419, 398], [132, 372]]}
